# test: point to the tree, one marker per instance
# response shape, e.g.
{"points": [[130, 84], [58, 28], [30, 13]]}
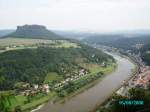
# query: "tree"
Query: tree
{"points": [[2, 79], [5, 100], [136, 93], [18, 109], [29, 98]]}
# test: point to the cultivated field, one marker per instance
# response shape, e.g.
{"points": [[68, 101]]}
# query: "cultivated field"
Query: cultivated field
{"points": [[18, 41], [26, 42]]}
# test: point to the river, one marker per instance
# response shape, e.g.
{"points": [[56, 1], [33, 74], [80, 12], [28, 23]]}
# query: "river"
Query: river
{"points": [[87, 100]]}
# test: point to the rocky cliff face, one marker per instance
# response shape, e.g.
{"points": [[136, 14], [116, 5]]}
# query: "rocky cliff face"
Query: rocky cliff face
{"points": [[34, 31], [31, 27]]}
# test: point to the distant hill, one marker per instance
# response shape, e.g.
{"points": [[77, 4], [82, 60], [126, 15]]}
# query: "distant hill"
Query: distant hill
{"points": [[5, 32], [119, 41], [135, 43], [34, 32], [72, 34], [105, 39], [129, 43]]}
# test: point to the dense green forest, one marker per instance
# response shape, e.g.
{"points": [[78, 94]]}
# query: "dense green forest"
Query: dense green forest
{"points": [[119, 41], [145, 52], [32, 65]]}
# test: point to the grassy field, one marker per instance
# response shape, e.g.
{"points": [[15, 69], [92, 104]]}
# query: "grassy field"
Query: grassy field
{"points": [[18, 41], [52, 76], [29, 42], [95, 68], [110, 68], [35, 101]]}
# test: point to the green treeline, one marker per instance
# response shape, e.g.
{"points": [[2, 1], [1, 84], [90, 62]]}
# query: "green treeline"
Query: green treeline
{"points": [[145, 52], [32, 65], [136, 95]]}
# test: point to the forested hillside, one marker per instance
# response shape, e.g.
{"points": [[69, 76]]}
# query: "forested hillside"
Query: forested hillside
{"points": [[5, 32], [32, 65], [119, 41], [129, 43], [145, 52], [105, 39]]}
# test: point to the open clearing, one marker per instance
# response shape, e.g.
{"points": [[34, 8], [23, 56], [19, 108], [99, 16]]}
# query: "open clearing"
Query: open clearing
{"points": [[28, 42], [52, 76]]}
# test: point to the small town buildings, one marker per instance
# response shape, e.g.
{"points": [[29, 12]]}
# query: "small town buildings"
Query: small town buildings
{"points": [[46, 88], [26, 92], [142, 80], [26, 85], [103, 64], [123, 91], [36, 86]]}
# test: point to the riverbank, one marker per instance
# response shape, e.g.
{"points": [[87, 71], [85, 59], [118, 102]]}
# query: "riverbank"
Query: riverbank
{"points": [[84, 88], [133, 73], [87, 100]]}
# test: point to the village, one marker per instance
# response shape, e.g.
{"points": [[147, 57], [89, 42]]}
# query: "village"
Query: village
{"points": [[45, 88], [140, 80]]}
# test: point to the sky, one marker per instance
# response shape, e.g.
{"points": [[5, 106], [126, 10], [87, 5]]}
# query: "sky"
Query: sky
{"points": [[81, 15]]}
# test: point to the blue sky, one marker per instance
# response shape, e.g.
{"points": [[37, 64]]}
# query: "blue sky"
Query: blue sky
{"points": [[93, 15]]}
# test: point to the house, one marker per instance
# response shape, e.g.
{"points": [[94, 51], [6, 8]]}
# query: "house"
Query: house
{"points": [[93, 55], [36, 86], [46, 88], [143, 79], [26, 92], [123, 91], [68, 79], [103, 64], [26, 85], [7, 48], [82, 72], [33, 92]]}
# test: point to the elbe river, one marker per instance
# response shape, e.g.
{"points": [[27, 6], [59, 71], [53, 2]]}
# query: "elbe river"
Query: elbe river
{"points": [[87, 100]]}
